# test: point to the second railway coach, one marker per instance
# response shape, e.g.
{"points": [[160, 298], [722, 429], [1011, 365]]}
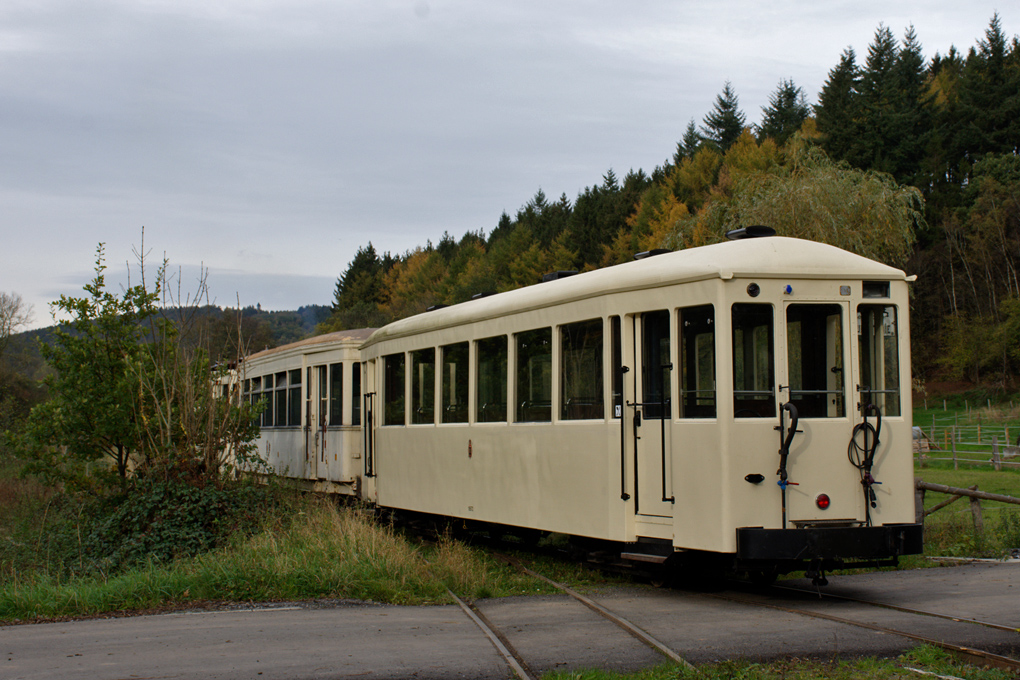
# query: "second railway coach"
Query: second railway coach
{"points": [[311, 426]]}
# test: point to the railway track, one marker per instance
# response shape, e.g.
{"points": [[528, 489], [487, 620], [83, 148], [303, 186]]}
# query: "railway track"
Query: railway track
{"points": [[979, 642]]}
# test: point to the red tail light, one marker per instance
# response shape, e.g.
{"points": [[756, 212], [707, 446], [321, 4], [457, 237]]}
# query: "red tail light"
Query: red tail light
{"points": [[822, 501]]}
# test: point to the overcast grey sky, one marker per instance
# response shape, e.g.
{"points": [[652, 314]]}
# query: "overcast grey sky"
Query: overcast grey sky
{"points": [[269, 139]]}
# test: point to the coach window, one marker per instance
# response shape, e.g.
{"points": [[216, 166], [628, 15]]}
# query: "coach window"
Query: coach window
{"points": [[336, 395], [655, 364], [753, 362], [269, 411], [255, 396], [877, 339], [294, 411], [616, 333], [490, 376], [323, 381], [581, 371], [423, 387], [697, 362], [356, 393], [534, 375], [281, 399], [814, 348], [454, 396], [393, 389]]}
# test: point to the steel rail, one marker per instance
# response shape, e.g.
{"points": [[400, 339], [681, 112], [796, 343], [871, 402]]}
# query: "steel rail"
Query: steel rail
{"points": [[510, 655], [908, 610], [608, 614], [970, 654]]}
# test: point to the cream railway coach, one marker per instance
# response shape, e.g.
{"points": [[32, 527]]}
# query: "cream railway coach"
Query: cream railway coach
{"points": [[742, 406], [311, 427]]}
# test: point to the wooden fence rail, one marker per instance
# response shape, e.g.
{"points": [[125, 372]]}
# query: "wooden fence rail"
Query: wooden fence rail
{"points": [[956, 494]]}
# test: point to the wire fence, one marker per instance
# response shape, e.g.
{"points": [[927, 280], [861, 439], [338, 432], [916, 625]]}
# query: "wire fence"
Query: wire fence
{"points": [[978, 444]]}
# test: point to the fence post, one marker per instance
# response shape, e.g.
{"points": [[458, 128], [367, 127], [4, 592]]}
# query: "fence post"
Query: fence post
{"points": [[996, 462], [955, 464], [975, 511], [918, 503]]}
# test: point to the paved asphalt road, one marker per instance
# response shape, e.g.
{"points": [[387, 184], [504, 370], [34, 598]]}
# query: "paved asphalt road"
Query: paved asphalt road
{"points": [[377, 641]]}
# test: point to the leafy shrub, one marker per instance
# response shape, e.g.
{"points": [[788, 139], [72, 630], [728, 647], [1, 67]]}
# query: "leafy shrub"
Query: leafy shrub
{"points": [[157, 520]]}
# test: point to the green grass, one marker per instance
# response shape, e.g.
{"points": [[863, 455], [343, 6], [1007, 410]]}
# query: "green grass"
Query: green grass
{"points": [[950, 531], [322, 552], [925, 658]]}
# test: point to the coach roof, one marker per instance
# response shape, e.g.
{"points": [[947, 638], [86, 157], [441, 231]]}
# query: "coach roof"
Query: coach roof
{"points": [[764, 258]]}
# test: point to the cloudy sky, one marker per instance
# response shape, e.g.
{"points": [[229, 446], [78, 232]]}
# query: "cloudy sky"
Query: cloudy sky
{"points": [[268, 139]]}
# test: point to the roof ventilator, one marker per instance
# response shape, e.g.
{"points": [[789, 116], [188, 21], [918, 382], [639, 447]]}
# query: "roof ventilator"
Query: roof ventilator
{"points": [[754, 231], [651, 253], [557, 275]]}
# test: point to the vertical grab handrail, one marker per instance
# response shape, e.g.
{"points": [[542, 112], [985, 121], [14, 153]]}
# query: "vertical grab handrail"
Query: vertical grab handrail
{"points": [[623, 439], [369, 435], [663, 413]]}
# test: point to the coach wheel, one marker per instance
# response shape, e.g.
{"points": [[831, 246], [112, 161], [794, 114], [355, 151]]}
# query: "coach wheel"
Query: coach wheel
{"points": [[762, 577]]}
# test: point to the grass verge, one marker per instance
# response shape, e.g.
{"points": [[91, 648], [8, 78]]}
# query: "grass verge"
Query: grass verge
{"points": [[930, 661], [318, 552]]}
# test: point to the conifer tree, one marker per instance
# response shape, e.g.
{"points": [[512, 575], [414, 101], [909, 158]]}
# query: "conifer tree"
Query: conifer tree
{"points": [[836, 111], [688, 145], [786, 112], [726, 121]]}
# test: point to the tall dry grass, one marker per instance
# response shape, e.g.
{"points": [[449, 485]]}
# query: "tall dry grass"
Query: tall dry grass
{"points": [[321, 552]]}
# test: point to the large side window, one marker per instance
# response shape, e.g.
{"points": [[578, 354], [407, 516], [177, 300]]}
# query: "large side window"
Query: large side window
{"points": [[393, 389], [697, 362], [423, 386], [490, 387], [294, 407], [581, 371], [814, 348], [255, 396], [616, 332], [268, 419], [322, 380], [336, 395], [878, 338], [356, 393], [655, 364], [533, 372], [281, 399], [454, 397], [753, 362]]}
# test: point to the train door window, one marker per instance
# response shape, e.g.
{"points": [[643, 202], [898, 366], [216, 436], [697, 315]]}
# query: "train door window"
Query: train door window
{"points": [[336, 395], [454, 395], [534, 376], [490, 390], [814, 348], [356, 393], [280, 418], [323, 381], [878, 340], [753, 362], [255, 396], [616, 332], [393, 389], [294, 412], [655, 364], [581, 371], [697, 362], [423, 386], [268, 414]]}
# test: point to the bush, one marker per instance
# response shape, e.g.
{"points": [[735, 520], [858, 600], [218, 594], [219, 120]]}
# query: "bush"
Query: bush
{"points": [[155, 520]]}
